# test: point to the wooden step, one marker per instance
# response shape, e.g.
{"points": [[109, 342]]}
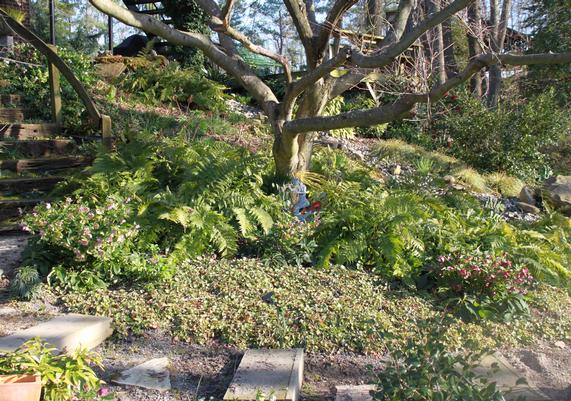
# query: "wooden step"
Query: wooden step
{"points": [[39, 148], [27, 185], [15, 208], [46, 164], [29, 131], [13, 115], [10, 99]]}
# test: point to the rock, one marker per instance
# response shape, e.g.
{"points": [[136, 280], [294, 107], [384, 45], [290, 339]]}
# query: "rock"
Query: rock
{"points": [[458, 187], [8, 311], [354, 393], [558, 191], [396, 170], [152, 375], [526, 207], [559, 344], [527, 195], [506, 376], [449, 179], [110, 70]]}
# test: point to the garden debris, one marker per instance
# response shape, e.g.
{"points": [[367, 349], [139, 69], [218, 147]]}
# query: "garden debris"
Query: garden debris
{"points": [[152, 375], [276, 373]]}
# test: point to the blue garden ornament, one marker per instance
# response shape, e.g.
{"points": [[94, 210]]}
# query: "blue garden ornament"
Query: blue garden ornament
{"points": [[299, 199]]}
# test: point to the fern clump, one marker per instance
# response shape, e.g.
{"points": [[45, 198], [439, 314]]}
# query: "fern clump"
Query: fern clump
{"points": [[156, 202]]}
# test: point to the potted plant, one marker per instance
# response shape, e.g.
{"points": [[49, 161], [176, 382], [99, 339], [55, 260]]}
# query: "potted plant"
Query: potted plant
{"points": [[22, 387]]}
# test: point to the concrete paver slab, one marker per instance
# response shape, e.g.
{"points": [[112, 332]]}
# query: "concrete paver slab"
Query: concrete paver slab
{"points": [[65, 332], [276, 373]]}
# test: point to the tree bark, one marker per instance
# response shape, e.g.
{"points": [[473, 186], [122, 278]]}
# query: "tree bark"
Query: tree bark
{"points": [[438, 61], [499, 28], [449, 54], [474, 43]]}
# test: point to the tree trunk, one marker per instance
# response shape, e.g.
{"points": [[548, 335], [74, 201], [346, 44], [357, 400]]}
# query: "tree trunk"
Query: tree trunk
{"points": [[497, 43], [437, 44], [474, 47], [449, 56], [374, 17], [292, 153]]}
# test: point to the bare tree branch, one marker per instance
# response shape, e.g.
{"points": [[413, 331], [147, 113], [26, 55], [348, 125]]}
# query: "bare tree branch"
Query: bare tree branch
{"points": [[404, 10], [333, 17], [391, 112], [296, 88], [233, 65], [298, 13], [226, 12], [219, 22], [387, 55], [248, 44]]}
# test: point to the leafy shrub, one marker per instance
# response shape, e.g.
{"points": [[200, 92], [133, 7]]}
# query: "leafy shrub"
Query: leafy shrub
{"points": [[155, 83], [510, 139], [425, 370], [152, 204], [32, 80], [64, 377], [484, 285], [396, 233]]}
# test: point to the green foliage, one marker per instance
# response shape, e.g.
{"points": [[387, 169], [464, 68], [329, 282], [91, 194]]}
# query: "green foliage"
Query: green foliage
{"points": [[155, 202], [396, 233], [249, 303], [32, 80], [425, 370], [511, 139], [334, 107], [484, 286], [25, 282], [154, 84], [65, 377], [77, 26], [550, 28]]}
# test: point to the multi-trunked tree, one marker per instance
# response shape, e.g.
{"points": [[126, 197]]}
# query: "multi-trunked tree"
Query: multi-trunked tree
{"points": [[298, 115]]}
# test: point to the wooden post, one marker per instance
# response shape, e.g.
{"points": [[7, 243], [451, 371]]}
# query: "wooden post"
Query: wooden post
{"points": [[55, 90], [110, 34], [52, 13], [106, 135]]}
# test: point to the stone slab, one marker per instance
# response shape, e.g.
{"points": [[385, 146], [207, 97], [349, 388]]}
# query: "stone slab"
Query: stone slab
{"points": [[354, 393], [65, 332], [276, 373], [506, 378], [152, 375]]}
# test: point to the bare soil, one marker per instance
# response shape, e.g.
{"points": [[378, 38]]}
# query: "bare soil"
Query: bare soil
{"points": [[204, 371]]}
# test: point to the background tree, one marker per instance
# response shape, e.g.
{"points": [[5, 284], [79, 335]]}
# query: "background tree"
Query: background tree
{"points": [[550, 25], [78, 26], [298, 115]]}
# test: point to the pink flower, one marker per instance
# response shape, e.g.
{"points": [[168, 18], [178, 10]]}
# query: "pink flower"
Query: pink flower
{"points": [[103, 391]]}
